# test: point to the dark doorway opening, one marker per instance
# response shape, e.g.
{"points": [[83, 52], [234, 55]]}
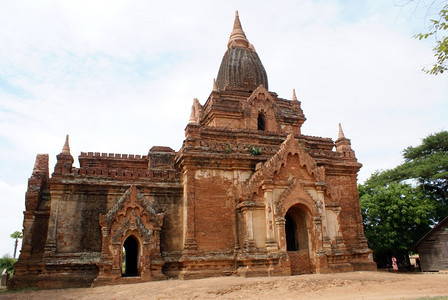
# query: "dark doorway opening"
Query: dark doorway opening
{"points": [[296, 229], [290, 229], [261, 122], [130, 257]]}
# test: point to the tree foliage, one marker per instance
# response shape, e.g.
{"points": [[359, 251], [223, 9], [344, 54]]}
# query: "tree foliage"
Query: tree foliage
{"points": [[438, 30], [8, 264], [400, 205], [395, 217], [16, 235], [426, 167]]}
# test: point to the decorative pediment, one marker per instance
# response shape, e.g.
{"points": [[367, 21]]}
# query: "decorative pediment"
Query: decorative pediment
{"points": [[260, 102], [132, 203], [262, 94], [132, 213], [272, 166], [260, 98]]}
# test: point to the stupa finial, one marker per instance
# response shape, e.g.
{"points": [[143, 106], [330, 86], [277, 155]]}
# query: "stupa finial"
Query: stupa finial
{"points": [[193, 119], [294, 97], [341, 133], [238, 37], [66, 148]]}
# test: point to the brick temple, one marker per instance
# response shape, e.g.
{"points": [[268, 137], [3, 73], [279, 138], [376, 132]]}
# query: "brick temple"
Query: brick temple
{"points": [[247, 194]]}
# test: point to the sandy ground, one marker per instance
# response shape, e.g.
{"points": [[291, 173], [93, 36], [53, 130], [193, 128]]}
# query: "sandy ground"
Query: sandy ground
{"points": [[355, 285]]}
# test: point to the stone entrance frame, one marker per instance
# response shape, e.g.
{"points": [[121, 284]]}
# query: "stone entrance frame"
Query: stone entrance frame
{"points": [[298, 230], [132, 216]]}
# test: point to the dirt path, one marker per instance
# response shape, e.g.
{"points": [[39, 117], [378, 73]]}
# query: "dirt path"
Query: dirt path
{"points": [[355, 285]]}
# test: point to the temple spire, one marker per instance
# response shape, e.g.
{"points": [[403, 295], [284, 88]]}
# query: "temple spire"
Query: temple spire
{"points": [[241, 68], [238, 37], [341, 133], [215, 87], [294, 97], [66, 148]]}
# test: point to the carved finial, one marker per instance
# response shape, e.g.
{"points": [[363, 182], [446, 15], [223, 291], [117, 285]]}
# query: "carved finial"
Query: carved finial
{"points": [[215, 87], [66, 148], [294, 97], [133, 191], [341, 133], [289, 138], [238, 37], [343, 145], [192, 119]]}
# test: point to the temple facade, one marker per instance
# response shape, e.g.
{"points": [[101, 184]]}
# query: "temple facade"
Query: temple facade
{"points": [[246, 195]]}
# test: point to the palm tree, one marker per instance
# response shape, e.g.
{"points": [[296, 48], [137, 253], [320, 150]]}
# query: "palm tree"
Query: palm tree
{"points": [[16, 235]]}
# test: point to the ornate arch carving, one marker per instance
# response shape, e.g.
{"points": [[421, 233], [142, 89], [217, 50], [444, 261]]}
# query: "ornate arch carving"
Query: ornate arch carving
{"points": [[133, 215], [272, 166], [295, 194]]}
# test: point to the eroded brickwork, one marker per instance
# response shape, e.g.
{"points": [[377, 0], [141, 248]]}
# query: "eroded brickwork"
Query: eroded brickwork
{"points": [[247, 194]]}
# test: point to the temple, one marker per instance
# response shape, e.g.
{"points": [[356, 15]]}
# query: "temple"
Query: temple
{"points": [[247, 194]]}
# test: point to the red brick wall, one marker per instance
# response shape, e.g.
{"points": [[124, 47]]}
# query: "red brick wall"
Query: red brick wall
{"points": [[214, 214]]}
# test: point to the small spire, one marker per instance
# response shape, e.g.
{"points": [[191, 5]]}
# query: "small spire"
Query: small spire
{"points": [[66, 148], [192, 119], [343, 145], [238, 37], [341, 133], [294, 97], [215, 87]]}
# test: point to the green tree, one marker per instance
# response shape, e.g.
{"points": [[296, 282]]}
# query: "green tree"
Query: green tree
{"points": [[399, 205], [16, 235], [395, 217], [426, 166], [438, 30]]}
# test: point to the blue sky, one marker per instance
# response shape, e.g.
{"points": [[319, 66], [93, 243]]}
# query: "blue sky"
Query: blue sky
{"points": [[120, 76]]}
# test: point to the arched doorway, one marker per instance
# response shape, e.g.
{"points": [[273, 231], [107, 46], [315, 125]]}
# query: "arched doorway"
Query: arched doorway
{"points": [[130, 257], [297, 239], [296, 229]]}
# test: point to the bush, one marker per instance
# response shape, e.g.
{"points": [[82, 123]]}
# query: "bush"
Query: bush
{"points": [[8, 264], [254, 150]]}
